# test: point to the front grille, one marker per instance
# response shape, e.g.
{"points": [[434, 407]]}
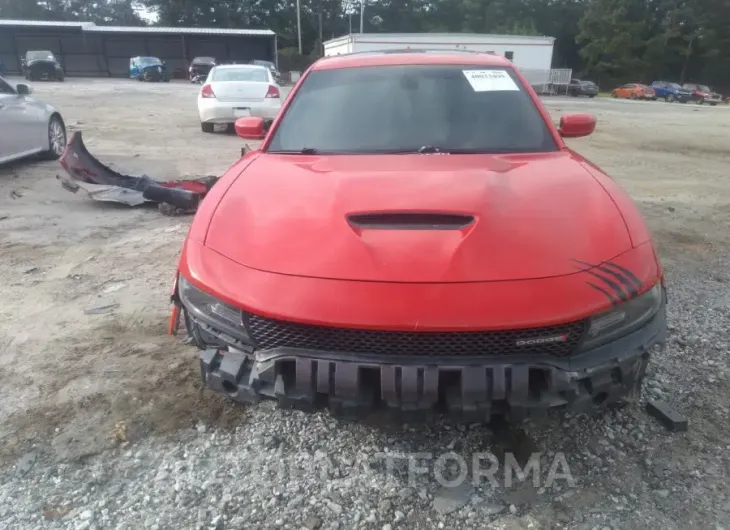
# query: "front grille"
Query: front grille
{"points": [[269, 333]]}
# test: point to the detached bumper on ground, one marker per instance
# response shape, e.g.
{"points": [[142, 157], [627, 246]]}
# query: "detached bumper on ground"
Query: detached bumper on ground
{"points": [[470, 388]]}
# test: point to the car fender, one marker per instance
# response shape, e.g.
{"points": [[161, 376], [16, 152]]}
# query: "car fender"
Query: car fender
{"points": [[638, 231]]}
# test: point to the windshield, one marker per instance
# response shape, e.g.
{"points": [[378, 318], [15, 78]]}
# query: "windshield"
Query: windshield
{"points": [[673, 85], [203, 60], [413, 108], [267, 64], [40, 56], [241, 74], [149, 61], [703, 88]]}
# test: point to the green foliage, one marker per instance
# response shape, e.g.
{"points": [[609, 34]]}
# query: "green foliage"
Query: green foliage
{"points": [[111, 12], [610, 41]]}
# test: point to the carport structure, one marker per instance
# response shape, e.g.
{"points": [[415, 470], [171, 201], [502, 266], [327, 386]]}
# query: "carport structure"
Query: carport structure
{"points": [[86, 49]]}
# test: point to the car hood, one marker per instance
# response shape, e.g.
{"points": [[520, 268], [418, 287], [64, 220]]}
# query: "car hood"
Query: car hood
{"points": [[534, 216]]}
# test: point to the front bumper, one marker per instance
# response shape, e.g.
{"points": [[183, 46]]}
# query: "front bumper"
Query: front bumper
{"points": [[468, 388], [224, 111]]}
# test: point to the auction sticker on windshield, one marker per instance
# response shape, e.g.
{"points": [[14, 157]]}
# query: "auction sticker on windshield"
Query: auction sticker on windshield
{"points": [[490, 80]]}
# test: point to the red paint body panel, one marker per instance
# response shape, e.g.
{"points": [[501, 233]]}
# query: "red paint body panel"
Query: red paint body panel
{"points": [[635, 224], [271, 236], [407, 306], [534, 214]]}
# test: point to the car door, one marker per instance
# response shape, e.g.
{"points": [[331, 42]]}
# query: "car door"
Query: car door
{"points": [[10, 144], [24, 116]]}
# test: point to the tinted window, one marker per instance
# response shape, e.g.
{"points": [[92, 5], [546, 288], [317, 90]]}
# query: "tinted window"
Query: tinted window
{"points": [[40, 56], [149, 61], [241, 74], [405, 108]]}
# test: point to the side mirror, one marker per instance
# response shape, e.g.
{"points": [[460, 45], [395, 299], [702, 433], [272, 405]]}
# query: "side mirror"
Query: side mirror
{"points": [[23, 90], [250, 128], [577, 125]]}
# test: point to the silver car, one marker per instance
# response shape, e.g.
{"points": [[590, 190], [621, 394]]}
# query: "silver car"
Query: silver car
{"points": [[28, 126]]}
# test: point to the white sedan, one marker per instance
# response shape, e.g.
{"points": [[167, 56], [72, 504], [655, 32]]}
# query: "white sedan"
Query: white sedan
{"points": [[236, 91], [28, 126]]}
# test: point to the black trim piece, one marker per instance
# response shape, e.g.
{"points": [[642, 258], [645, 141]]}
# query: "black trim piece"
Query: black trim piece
{"points": [[269, 334], [410, 221]]}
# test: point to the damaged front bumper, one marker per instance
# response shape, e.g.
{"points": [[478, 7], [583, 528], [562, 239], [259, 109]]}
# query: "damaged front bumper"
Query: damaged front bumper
{"points": [[469, 389], [102, 183]]}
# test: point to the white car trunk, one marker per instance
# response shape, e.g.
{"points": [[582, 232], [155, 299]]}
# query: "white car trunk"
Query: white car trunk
{"points": [[240, 91]]}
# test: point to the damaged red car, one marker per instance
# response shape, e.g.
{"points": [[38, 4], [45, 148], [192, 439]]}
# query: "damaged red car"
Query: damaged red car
{"points": [[414, 234]]}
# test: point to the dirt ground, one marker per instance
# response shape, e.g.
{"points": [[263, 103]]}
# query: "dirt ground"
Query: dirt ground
{"points": [[83, 349]]}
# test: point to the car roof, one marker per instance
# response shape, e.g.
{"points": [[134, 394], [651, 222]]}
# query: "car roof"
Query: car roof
{"points": [[406, 57], [230, 66]]}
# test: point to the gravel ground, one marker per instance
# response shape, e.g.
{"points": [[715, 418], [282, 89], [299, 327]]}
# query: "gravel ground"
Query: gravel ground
{"points": [[103, 423]]}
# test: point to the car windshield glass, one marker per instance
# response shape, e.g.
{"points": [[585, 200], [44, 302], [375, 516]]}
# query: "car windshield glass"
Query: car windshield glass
{"points": [[703, 88], [40, 56], [673, 85], [413, 108], [241, 74], [203, 60], [267, 64], [149, 61]]}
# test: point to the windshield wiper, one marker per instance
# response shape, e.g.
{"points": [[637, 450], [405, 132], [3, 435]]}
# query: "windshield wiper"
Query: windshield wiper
{"points": [[302, 151], [428, 149]]}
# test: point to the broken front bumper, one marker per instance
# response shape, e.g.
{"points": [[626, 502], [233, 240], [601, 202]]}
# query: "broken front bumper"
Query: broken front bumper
{"points": [[470, 389]]}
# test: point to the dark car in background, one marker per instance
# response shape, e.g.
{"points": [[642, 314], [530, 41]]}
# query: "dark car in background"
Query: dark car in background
{"points": [[42, 65], [703, 94], [148, 69], [199, 69], [271, 66], [671, 92], [578, 87]]}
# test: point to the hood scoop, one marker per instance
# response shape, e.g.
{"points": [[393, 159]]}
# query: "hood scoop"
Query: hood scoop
{"points": [[409, 221]]}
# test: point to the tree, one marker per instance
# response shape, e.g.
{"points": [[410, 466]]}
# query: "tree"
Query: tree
{"points": [[112, 12]]}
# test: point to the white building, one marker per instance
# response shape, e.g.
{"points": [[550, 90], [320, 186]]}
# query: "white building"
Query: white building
{"points": [[528, 53]]}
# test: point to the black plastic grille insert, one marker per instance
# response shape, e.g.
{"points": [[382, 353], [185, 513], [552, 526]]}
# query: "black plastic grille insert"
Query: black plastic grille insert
{"points": [[269, 333]]}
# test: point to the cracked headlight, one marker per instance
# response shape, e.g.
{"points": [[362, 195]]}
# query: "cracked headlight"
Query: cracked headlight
{"points": [[212, 311], [624, 318]]}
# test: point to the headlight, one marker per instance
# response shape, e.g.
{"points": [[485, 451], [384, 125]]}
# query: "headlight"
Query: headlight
{"points": [[212, 311], [624, 319]]}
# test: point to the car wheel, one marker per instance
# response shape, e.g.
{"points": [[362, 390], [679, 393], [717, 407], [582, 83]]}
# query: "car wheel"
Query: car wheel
{"points": [[60, 78], [614, 95], [713, 104], [633, 96], [207, 127], [57, 138], [670, 98], [700, 101], [592, 96]]}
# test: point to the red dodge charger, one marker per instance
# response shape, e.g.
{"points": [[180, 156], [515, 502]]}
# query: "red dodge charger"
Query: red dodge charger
{"points": [[414, 234]]}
